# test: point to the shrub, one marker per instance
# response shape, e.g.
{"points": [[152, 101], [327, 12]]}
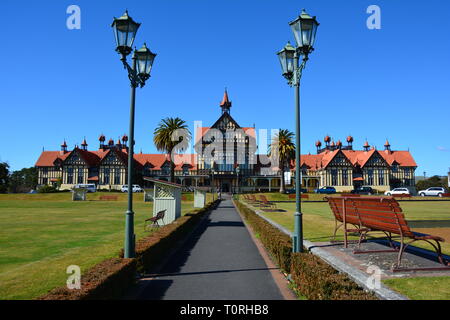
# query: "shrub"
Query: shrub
{"points": [[47, 189]]}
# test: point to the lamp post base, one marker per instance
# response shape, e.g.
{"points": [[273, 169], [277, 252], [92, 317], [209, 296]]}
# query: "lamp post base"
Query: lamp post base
{"points": [[297, 238], [130, 237]]}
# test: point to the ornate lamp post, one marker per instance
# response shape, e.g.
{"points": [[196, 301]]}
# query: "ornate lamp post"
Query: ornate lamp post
{"points": [[304, 29], [139, 72]]}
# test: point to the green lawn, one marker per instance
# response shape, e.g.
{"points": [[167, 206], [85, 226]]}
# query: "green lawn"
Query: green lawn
{"points": [[318, 225], [422, 288], [42, 234]]}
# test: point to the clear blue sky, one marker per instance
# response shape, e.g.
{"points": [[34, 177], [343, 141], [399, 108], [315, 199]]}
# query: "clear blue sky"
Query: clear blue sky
{"points": [[391, 83]]}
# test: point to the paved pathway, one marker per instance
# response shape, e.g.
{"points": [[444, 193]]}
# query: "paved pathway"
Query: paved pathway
{"points": [[218, 262]]}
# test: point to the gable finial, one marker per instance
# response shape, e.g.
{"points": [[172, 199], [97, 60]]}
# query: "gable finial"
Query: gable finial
{"points": [[226, 103]]}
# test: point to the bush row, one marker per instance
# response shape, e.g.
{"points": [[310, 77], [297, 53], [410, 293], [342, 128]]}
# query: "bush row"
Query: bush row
{"points": [[111, 278], [311, 277]]}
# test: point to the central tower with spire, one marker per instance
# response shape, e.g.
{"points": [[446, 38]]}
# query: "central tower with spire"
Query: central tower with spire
{"points": [[226, 103]]}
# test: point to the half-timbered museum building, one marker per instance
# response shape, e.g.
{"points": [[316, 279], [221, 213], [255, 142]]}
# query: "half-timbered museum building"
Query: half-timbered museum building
{"points": [[233, 166]]}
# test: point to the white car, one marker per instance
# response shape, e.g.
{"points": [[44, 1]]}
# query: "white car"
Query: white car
{"points": [[136, 188], [433, 191], [397, 191]]}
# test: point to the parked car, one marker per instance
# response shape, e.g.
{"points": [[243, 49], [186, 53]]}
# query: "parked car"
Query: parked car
{"points": [[90, 187], [363, 190], [433, 191], [136, 188], [397, 191], [326, 190]]}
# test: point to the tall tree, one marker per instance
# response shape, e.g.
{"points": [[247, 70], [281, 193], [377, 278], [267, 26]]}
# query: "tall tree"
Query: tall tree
{"points": [[4, 177], [23, 180], [172, 135], [283, 148]]}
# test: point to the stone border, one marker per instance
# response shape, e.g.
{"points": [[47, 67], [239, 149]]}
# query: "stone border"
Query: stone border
{"points": [[358, 276]]}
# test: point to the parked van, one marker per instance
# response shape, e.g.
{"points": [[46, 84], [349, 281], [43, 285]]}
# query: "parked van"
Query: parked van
{"points": [[91, 187]]}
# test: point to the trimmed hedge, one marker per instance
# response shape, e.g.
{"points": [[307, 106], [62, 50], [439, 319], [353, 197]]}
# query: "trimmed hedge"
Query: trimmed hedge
{"points": [[107, 280], [111, 278], [312, 278]]}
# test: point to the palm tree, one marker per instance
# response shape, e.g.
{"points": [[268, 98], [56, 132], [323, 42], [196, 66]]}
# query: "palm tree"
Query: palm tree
{"points": [[283, 148], [172, 135]]}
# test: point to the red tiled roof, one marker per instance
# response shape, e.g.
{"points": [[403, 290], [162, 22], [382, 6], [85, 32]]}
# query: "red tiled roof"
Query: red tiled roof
{"points": [[403, 158], [356, 157], [47, 158], [157, 160]]}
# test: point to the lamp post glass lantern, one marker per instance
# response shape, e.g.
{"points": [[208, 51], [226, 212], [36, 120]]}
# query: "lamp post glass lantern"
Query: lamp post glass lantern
{"points": [[304, 29], [144, 62], [286, 56], [125, 29]]}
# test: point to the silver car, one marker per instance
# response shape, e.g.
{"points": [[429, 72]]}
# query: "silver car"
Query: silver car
{"points": [[433, 191], [397, 191]]}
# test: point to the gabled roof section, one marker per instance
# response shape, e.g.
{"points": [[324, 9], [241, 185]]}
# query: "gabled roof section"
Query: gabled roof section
{"points": [[403, 158], [223, 116], [87, 157], [373, 153], [48, 158], [122, 156]]}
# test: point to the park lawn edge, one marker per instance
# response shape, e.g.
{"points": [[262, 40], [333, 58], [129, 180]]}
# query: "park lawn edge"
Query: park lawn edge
{"points": [[111, 278]]}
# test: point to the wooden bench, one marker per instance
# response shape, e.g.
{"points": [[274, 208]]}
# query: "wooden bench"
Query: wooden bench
{"points": [[403, 195], [303, 196], [380, 214], [159, 216], [265, 203], [251, 199], [108, 198]]}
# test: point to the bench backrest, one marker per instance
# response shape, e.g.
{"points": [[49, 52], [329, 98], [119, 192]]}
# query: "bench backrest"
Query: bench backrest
{"points": [[376, 213], [160, 214], [263, 198]]}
